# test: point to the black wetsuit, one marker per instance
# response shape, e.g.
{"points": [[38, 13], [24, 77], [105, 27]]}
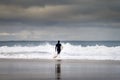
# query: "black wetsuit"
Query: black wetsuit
{"points": [[58, 48]]}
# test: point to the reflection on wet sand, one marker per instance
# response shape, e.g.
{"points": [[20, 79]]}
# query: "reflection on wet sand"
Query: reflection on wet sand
{"points": [[58, 70]]}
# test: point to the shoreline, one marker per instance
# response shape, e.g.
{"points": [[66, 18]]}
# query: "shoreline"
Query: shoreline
{"points": [[34, 59], [62, 60]]}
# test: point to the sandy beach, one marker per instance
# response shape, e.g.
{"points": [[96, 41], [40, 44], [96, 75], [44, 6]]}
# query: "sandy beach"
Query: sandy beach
{"points": [[45, 69]]}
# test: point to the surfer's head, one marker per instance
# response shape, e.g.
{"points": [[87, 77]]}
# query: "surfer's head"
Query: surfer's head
{"points": [[58, 41]]}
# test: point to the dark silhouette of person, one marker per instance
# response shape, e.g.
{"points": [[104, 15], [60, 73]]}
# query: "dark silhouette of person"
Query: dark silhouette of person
{"points": [[58, 47]]}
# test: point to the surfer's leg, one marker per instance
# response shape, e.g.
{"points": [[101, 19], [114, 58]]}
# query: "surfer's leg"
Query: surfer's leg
{"points": [[58, 53]]}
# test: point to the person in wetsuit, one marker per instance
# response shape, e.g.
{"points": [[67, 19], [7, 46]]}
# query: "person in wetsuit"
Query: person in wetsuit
{"points": [[58, 47]]}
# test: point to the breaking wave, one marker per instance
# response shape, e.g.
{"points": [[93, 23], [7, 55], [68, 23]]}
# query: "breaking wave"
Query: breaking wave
{"points": [[47, 51]]}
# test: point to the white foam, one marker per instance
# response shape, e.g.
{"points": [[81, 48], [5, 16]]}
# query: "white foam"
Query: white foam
{"points": [[69, 52]]}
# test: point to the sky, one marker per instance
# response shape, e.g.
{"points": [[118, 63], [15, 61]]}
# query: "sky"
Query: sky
{"points": [[59, 20]]}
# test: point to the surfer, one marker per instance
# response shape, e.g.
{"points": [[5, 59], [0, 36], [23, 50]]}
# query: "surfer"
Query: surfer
{"points": [[58, 48]]}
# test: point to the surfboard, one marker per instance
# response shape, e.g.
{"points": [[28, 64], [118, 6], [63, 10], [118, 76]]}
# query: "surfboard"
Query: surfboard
{"points": [[55, 56], [57, 59]]}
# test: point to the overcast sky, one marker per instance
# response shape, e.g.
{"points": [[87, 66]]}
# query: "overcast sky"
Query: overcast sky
{"points": [[60, 19]]}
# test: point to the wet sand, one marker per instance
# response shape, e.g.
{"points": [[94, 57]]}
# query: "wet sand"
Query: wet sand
{"points": [[18, 69]]}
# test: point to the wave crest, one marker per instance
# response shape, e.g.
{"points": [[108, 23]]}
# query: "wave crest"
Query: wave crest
{"points": [[69, 52]]}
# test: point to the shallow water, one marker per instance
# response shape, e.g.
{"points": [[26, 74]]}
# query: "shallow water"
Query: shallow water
{"points": [[59, 70]]}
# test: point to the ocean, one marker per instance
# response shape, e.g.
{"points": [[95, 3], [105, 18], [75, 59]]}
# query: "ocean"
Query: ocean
{"points": [[88, 50]]}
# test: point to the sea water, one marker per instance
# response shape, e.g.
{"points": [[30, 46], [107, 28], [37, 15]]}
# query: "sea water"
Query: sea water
{"points": [[91, 50]]}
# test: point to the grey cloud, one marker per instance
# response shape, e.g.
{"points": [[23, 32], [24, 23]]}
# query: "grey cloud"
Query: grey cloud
{"points": [[48, 19], [54, 2], [58, 11], [63, 33], [28, 3]]}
